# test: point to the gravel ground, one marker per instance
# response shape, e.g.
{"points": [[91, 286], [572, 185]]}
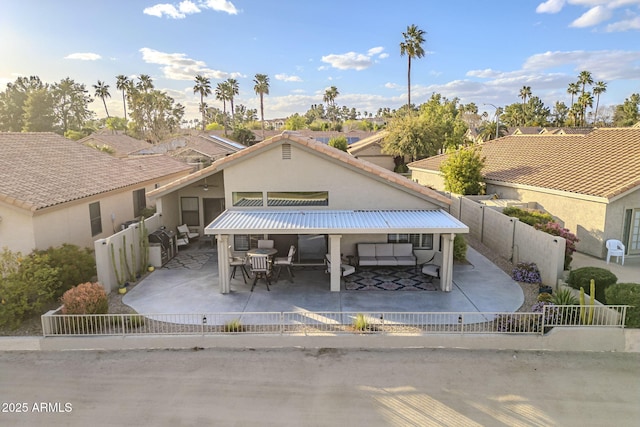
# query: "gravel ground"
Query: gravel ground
{"points": [[33, 326]]}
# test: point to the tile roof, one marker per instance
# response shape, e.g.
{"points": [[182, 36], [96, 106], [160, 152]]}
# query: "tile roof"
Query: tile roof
{"points": [[367, 142], [121, 143], [38, 170], [603, 163], [305, 142]]}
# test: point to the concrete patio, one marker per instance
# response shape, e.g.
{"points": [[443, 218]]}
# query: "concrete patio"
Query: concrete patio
{"points": [[191, 286]]}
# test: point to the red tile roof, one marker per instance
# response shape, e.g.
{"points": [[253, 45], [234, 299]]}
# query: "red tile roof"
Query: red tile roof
{"points": [[38, 170], [603, 163]]}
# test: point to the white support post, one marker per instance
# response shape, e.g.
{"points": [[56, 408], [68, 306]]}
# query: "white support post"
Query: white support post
{"points": [[446, 271], [334, 254], [223, 263]]}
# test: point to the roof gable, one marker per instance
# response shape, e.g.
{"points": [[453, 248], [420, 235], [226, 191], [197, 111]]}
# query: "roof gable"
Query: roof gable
{"points": [[319, 149]]}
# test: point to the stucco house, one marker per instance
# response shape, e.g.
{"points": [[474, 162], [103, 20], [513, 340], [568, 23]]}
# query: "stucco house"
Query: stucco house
{"points": [[589, 182], [370, 149], [298, 191], [54, 190]]}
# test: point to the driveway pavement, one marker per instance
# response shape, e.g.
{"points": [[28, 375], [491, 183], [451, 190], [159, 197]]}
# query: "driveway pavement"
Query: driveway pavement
{"points": [[192, 287]]}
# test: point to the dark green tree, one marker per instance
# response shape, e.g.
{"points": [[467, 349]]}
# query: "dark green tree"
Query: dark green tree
{"points": [[202, 87]]}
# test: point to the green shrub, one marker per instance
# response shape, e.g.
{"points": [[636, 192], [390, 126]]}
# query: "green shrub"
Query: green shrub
{"points": [[545, 297], [339, 142], [27, 286], [233, 326], [75, 266], [528, 216], [459, 248], [86, 298], [581, 278], [564, 297], [626, 293], [360, 323]]}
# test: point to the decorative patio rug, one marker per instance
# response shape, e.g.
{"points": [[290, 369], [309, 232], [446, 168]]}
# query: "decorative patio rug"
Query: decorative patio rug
{"points": [[388, 279], [188, 260]]}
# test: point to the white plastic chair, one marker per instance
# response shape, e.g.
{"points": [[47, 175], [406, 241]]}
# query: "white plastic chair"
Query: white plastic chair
{"points": [[265, 244], [615, 248], [261, 269], [287, 262]]}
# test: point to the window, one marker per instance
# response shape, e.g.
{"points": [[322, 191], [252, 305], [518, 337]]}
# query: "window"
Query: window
{"points": [[190, 211], [139, 202], [419, 241], [244, 242], [247, 198], [298, 198], [95, 218]]}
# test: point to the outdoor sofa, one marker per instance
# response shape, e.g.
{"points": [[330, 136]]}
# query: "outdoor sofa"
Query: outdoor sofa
{"points": [[386, 254]]}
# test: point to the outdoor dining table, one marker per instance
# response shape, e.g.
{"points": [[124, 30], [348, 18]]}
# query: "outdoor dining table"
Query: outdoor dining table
{"points": [[262, 251]]}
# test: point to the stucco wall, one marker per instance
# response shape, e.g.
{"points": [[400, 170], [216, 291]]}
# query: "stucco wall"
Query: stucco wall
{"points": [[614, 222], [16, 229], [584, 218], [307, 172], [430, 179]]}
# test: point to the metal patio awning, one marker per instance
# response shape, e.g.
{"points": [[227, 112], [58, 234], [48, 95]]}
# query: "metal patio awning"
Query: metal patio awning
{"points": [[335, 222]]}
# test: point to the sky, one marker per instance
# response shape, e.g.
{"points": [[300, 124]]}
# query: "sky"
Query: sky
{"points": [[478, 51]]}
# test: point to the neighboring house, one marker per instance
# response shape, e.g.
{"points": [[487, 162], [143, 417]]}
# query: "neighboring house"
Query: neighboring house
{"points": [[301, 192], [202, 149], [54, 190], [588, 182], [370, 149], [122, 145]]}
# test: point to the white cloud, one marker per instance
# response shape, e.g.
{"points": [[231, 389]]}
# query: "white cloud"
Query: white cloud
{"points": [[393, 86], [84, 56], [187, 7], [592, 17], [221, 6], [550, 6], [287, 78], [383, 55], [487, 73], [603, 64], [624, 25], [177, 66], [354, 60]]}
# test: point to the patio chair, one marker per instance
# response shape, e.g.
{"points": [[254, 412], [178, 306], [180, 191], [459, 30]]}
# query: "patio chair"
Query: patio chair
{"points": [[432, 267], [261, 269], [615, 248], [287, 262], [345, 269], [265, 244], [184, 231], [235, 262], [182, 240]]}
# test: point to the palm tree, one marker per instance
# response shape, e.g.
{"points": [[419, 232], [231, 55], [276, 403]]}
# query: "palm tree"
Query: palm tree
{"points": [[412, 47], [102, 91], [584, 78], [525, 93], [599, 88], [203, 87], [573, 90], [122, 83], [329, 97], [145, 83], [233, 90], [585, 100], [261, 88], [222, 95]]}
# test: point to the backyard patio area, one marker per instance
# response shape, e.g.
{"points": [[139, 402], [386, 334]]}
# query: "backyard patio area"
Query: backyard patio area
{"points": [[189, 284]]}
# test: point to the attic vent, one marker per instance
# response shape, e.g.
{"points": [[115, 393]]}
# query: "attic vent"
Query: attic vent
{"points": [[286, 151]]}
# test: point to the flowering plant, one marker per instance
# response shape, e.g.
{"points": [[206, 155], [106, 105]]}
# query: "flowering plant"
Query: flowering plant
{"points": [[556, 229], [526, 272]]}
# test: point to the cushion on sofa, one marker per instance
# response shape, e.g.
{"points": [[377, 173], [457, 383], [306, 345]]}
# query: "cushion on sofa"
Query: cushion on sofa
{"points": [[387, 260], [366, 250], [384, 250], [403, 249], [367, 260], [406, 260]]}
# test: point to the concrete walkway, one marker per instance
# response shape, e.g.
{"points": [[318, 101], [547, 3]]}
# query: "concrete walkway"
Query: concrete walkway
{"points": [[627, 273], [478, 287]]}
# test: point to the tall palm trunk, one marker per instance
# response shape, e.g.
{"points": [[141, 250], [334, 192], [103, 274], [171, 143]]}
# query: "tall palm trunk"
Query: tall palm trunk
{"points": [[409, 85], [262, 113]]}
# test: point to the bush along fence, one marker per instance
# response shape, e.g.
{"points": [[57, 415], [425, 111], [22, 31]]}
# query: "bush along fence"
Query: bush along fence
{"points": [[539, 321]]}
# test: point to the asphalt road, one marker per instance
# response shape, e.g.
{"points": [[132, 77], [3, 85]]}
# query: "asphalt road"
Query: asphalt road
{"points": [[319, 387]]}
